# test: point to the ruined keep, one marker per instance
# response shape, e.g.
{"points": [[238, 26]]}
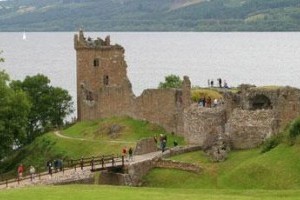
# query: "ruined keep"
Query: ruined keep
{"points": [[247, 118], [103, 88]]}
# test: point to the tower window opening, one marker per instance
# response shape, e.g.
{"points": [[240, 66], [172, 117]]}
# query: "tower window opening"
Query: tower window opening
{"points": [[96, 62], [105, 80]]}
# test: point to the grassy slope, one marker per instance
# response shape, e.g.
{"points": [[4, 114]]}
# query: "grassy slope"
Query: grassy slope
{"points": [[277, 169], [79, 192], [96, 142]]}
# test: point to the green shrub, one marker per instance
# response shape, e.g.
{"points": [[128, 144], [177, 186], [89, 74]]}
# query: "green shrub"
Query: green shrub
{"points": [[271, 143], [295, 128]]}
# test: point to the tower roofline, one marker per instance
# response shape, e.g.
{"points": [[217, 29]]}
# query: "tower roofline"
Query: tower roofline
{"points": [[80, 42]]}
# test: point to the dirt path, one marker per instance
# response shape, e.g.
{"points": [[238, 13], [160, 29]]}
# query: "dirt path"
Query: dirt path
{"points": [[58, 134]]}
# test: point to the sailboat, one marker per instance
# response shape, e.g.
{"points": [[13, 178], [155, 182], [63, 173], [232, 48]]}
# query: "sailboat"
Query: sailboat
{"points": [[24, 35]]}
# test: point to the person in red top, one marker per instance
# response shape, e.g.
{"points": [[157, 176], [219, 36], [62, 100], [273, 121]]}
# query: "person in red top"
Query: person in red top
{"points": [[20, 170]]}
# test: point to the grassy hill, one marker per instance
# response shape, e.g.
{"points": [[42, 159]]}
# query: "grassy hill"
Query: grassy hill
{"points": [[90, 138], [154, 15], [277, 169]]}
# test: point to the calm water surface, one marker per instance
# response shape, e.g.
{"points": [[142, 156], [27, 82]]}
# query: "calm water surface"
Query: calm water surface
{"points": [[256, 58]]}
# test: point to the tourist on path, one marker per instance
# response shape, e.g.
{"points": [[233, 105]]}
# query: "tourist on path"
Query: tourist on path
{"points": [[20, 171], [32, 172], [130, 153]]}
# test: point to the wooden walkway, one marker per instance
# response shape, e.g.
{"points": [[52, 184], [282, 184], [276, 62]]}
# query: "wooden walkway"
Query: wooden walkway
{"points": [[74, 166]]}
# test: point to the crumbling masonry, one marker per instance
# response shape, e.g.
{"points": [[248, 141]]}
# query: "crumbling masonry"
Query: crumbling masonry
{"points": [[247, 117]]}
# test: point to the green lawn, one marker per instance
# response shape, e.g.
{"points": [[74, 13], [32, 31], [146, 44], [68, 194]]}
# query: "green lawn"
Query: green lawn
{"points": [[79, 192], [248, 169]]}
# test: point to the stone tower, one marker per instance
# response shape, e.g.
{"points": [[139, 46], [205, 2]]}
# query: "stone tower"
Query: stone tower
{"points": [[103, 89]]}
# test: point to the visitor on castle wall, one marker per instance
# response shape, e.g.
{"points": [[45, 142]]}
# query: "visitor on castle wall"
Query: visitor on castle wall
{"points": [[225, 84], [216, 102], [208, 83], [220, 82], [212, 83], [200, 103], [20, 171], [208, 102]]}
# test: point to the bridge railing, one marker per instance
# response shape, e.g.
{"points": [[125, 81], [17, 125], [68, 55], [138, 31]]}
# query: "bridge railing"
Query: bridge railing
{"points": [[99, 162], [94, 162]]}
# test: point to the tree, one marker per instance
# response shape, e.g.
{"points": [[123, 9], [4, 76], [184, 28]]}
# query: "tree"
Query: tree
{"points": [[61, 106], [14, 111], [50, 105], [171, 81]]}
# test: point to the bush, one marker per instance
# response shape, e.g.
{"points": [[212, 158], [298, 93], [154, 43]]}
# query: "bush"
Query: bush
{"points": [[271, 143], [294, 130]]}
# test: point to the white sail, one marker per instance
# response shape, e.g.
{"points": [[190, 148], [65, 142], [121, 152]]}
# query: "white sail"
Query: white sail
{"points": [[24, 35]]}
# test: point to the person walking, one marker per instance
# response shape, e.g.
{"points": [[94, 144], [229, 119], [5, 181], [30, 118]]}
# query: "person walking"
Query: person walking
{"points": [[20, 171], [32, 173], [130, 153]]}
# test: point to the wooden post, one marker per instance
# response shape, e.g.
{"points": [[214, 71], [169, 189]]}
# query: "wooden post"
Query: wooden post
{"points": [[92, 164], [81, 163], [102, 162], [113, 161], [6, 182], [122, 160]]}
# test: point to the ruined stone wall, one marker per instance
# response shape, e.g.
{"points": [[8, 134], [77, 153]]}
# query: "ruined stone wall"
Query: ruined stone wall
{"points": [[172, 164], [146, 145], [285, 101], [248, 129], [288, 106], [104, 90], [199, 122], [159, 106]]}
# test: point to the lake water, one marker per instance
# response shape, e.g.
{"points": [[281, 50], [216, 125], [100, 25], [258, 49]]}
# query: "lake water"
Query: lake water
{"points": [[255, 58]]}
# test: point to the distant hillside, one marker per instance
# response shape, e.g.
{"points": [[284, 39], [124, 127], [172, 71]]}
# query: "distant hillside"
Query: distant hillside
{"points": [[146, 15]]}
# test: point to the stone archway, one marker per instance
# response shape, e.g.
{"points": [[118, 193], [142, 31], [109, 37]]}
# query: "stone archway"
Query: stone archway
{"points": [[259, 102]]}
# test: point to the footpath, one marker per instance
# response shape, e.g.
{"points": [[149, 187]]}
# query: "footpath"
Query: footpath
{"points": [[71, 175]]}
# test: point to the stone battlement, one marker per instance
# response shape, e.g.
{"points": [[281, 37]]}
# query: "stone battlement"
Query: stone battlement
{"points": [[80, 42]]}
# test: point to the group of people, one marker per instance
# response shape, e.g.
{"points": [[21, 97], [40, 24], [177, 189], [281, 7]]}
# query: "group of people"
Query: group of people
{"points": [[207, 102], [56, 165], [21, 170], [210, 83], [127, 153], [163, 142]]}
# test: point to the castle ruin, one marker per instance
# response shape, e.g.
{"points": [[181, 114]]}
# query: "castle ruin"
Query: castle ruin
{"points": [[247, 117]]}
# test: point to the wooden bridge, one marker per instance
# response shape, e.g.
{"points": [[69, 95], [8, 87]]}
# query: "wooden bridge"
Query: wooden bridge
{"points": [[104, 162], [93, 164]]}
